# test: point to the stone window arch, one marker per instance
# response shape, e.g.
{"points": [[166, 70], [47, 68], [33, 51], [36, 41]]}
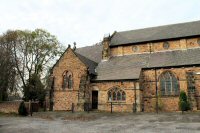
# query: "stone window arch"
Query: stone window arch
{"points": [[169, 84], [116, 94], [67, 80]]}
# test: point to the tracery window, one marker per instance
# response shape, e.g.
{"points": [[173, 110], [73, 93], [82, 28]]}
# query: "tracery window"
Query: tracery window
{"points": [[190, 82], [116, 94], [169, 84], [67, 80]]}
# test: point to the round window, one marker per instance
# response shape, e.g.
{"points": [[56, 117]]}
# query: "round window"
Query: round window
{"points": [[135, 48], [198, 41], [165, 45]]}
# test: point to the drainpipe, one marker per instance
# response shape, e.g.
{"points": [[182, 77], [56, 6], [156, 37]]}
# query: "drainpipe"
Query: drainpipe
{"points": [[135, 110], [156, 91]]}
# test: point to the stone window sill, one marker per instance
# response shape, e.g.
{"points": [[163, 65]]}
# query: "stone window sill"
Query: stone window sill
{"points": [[65, 90], [68, 90], [116, 102], [170, 95]]}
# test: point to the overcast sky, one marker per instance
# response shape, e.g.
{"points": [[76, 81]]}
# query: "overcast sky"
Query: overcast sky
{"points": [[86, 21]]}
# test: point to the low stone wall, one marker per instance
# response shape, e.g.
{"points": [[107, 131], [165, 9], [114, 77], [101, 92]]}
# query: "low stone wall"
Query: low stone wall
{"points": [[13, 106], [9, 106], [116, 107]]}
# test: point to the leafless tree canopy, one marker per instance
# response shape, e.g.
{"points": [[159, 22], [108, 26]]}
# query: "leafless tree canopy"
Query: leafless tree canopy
{"points": [[24, 53]]}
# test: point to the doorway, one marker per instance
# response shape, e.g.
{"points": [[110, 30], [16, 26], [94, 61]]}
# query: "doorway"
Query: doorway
{"points": [[94, 99]]}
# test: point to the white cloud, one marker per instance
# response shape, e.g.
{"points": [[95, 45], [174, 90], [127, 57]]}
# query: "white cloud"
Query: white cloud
{"points": [[86, 21]]}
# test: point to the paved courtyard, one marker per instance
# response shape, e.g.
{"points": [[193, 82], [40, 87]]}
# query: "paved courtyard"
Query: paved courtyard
{"points": [[94, 122]]}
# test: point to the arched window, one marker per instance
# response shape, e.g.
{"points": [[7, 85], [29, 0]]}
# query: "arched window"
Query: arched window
{"points": [[116, 94], [169, 84], [70, 82], [67, 80]]}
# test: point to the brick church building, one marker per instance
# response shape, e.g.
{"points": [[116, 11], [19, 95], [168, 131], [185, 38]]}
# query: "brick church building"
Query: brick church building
{"points": [[136, 70]]}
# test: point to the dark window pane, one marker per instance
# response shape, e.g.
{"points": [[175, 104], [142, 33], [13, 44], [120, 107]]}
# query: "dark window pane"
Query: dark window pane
{"points": [[169, 84], [114, 96], [162, 85], [175, 88], [168, 87], [70, 82], [191, 82], [109, 95], [119, 96], [65, 82], [165, 45], [123, 96]]}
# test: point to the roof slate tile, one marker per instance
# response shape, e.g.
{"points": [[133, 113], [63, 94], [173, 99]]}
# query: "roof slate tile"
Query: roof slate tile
{"points": [[156, 33]]}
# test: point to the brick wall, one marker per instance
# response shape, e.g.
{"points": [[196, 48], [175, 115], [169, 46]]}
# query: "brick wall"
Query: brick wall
{"points": [[154, 47], [9, 107], [170, 103], [63, 98], [125, 106], [13, 106]]}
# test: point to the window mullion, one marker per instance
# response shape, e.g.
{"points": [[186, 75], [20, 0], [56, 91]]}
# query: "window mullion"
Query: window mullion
{"points": [[171, 82]]}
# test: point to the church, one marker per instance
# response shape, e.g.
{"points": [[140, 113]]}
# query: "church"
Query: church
{"points": [[141, 70]]}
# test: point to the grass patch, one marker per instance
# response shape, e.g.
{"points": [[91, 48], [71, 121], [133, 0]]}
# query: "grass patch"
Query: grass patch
{"points": [[8, 114], [45, 117], [80, 117]]}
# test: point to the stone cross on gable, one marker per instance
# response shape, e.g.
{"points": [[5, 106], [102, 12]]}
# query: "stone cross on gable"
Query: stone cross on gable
{"points": [[74, 48]]}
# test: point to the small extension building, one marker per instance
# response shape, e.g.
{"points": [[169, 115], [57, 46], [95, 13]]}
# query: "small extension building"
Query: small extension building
{"points": [[137, 70]]}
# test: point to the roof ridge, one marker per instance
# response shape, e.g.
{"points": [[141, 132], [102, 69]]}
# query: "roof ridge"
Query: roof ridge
{"points": [[164, 25], [87, 46]]}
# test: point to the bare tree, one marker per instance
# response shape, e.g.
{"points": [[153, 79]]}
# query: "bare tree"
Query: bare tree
{"points": [[33, 52]]}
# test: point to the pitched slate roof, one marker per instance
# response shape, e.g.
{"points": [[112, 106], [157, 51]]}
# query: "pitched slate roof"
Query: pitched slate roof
{"points": [[118, 74], [93, 53], [174, 58], [121, 67], [156, 33], [90, 56], [89, 63], [129, 66]]}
